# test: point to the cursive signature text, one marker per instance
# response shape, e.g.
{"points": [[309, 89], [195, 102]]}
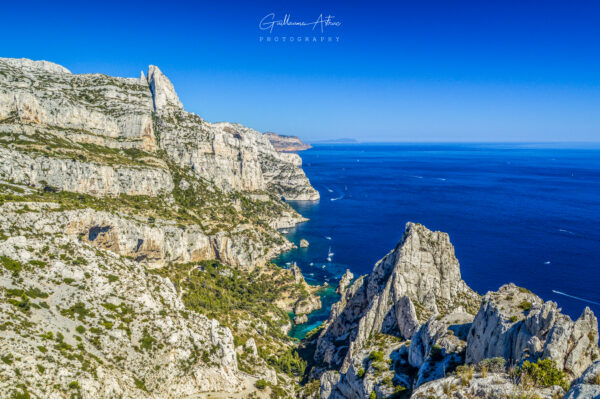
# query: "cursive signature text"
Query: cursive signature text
{"points": [[269, 22]]}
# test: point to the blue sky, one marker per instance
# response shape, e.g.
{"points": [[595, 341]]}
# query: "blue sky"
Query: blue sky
{"points": [[402, 71]]}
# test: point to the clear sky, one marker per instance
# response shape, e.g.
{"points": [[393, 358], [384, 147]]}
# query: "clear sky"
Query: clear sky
{"points": [[402, 70]]}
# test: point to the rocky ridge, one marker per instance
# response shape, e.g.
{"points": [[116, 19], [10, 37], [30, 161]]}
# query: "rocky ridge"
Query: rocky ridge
{"points": [[420, 277], [414, 328], [286, 143]]}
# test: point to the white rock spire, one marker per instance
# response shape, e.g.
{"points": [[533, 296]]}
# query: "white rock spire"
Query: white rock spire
{"points": [[163, 92]]}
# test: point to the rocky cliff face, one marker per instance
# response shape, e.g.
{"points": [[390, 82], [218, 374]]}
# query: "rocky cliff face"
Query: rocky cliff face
{"points": [[517, 325], [420, 277], [286, 143], [588, 385], [133, 113]]}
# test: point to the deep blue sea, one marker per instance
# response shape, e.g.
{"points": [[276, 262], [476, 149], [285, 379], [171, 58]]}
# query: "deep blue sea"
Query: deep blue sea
{"points": [[528, 214]]}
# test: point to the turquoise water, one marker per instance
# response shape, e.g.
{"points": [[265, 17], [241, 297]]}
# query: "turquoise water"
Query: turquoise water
{"points": [[526, 214]]}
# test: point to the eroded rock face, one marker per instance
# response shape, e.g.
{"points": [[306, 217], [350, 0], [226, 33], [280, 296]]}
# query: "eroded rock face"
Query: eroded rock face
{"points": [[82, 177], [420, 277], [126, 113], [587, 386], [517, 325], [115, 112], [439, 346], [152, 245], [105, 136]]}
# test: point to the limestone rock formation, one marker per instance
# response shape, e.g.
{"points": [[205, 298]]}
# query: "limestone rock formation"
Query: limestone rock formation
{"points": [[111, 137], [286, 143], [420, 277], [517, 325], [86, 320], [588, 385], [439, 345], [82, 177], [304, 243], [126, 113], [153, 245], [344, 282], [163, 92]]}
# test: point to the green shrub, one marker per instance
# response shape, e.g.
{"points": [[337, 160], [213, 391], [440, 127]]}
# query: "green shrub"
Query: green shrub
{"points": [[147, 341], [525, 305], [260, 384], [373, 395], [543, 374], [11, 265], [376, 356], [80, 329], [361, 373], [139, 384]]}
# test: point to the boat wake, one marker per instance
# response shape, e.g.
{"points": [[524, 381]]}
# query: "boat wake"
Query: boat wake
{"points": [[576, 297], [566, 231]]}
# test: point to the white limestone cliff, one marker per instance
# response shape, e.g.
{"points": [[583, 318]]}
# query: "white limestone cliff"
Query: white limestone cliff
{"points": [[420, 277], [515, 324]]}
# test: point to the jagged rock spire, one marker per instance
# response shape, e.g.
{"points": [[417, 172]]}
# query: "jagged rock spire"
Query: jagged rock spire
{"points": [[163, 92]]}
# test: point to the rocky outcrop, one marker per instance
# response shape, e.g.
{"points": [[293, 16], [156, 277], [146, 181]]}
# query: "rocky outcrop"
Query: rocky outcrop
{"points": [[163, 92], [375, 343], [104, 136], [303, 243], [344, 282], [153, 245], [420, 277], [439, 346], [286, 143], [304, 306], [82, 177], [517, 325], [587, 386], [377, 368]]}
